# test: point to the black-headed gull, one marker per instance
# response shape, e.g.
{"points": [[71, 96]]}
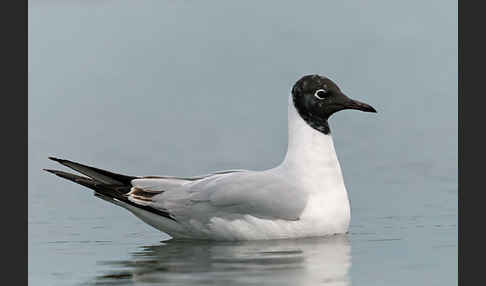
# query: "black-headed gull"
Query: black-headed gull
{"points": [[304, 196]]}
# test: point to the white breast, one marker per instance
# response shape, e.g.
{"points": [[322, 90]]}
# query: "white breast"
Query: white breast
{"points": [[312, 162]]}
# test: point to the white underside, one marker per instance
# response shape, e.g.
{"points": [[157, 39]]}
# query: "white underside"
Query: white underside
{"points": [[245, 228], [310, 165]]}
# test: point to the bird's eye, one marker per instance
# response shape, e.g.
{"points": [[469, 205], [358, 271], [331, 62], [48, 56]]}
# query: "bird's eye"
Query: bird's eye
{"points": [[321, 93]]}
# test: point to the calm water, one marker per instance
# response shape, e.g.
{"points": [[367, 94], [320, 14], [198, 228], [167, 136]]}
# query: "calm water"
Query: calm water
{"points": [[190, 87]]}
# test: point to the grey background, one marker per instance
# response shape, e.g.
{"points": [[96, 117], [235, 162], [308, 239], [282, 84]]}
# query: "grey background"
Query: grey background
{"points": [[190, 87]]}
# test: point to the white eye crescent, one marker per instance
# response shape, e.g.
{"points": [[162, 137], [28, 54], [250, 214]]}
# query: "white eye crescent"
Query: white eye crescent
{"points": [[320, 93]]}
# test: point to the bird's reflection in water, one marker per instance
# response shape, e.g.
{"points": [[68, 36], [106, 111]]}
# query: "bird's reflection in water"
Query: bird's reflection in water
{"points": [[312, 261]]}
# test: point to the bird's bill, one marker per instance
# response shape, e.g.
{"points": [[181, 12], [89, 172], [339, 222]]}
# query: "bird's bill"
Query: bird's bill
{"points": [[358, 105]]}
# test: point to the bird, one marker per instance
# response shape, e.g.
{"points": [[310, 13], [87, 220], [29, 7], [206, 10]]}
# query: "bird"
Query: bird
{"points": [[303, 196]]}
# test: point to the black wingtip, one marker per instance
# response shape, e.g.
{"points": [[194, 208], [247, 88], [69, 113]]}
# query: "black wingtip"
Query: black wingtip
{"points": [[97, 174], [56, 159], [109, 192], [58, 173], [50, 171], [62, 174]]}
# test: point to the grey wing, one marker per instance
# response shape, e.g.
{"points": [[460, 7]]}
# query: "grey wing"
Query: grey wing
{"points": [[260, 194], [224, 194], [146, 188]]}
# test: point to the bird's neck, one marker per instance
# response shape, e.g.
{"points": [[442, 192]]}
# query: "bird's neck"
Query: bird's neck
{"points": [[310, 153]]}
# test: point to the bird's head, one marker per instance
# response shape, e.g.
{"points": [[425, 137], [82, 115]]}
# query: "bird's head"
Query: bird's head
{"points": [[316, 98]]}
